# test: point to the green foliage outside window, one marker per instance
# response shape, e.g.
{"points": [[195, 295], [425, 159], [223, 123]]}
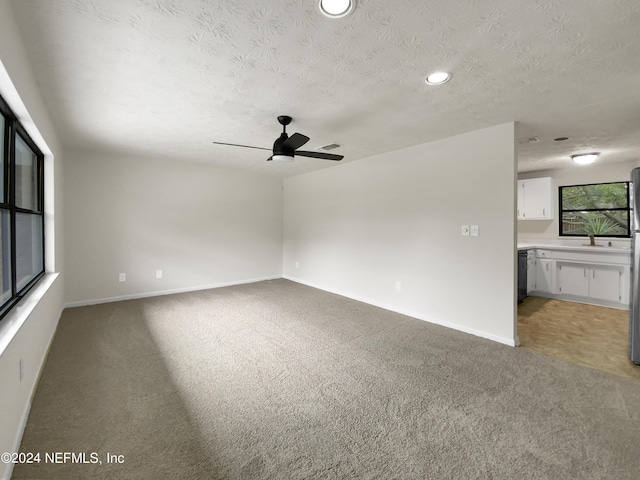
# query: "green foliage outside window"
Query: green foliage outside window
{"points": [[601, 210]]}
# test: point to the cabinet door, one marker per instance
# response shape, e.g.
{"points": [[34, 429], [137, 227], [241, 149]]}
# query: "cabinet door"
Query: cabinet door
{"points": [[538, 198], [604, 283], [573, 280], [520, 199], [531, 274], [544, 275]]}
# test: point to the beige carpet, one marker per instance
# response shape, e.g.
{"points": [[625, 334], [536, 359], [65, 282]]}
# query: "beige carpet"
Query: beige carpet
{"points": [[276, 380]]}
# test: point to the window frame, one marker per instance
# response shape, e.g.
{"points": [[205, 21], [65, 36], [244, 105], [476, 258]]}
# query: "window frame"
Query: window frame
{"points": [[562, 210], [12, 129]]}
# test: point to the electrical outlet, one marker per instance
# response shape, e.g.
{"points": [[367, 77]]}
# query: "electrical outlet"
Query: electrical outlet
{"points": [[158, 274], [21, 368], [475, 231], [297, 264], [122, 277], [398, 286]]}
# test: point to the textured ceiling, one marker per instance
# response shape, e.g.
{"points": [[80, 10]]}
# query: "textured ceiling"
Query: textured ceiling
{"points": [[168, 77]]}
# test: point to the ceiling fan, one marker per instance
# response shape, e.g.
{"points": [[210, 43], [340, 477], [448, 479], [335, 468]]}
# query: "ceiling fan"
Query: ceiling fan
{"points": [[285, 148]]}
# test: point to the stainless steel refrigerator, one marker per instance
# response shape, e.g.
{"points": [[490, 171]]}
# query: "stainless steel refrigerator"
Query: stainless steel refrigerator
{"points": [[634, 294]]}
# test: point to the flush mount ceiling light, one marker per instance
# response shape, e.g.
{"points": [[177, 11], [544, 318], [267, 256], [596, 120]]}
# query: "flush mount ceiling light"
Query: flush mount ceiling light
{"points": [[438, 78], [585, 158], [336, 8]]}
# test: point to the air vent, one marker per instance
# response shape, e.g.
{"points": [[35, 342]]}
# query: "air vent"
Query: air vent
{"points": [[331, 146], [523, 141]]}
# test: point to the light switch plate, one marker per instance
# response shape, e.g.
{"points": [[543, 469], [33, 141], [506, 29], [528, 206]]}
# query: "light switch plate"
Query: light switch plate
{"points": [[465, 230], [475, 231]]}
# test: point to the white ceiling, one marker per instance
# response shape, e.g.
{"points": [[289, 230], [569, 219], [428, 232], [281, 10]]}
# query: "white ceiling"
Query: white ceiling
{"points": [[169, 77]]}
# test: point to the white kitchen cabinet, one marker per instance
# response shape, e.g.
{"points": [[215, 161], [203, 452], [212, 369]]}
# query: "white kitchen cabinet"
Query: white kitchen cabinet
{"points": [[605, 283], [535, 199], [573, 279], [520, 199], [544, 275], [598, 276], [597, 282], [531, 271]]}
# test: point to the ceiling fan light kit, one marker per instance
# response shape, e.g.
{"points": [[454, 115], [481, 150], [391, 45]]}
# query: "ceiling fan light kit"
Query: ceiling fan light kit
{"points": [[336, 8], [281, 158]]}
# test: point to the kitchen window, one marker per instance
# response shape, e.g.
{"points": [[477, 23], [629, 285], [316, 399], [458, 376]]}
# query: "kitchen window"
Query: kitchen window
{"points": [[600, 209], [21, 211]]}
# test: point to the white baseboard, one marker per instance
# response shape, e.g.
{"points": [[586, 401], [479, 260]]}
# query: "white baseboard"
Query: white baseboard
{"points": [[134, 296], [512, 342], [578, 299]]}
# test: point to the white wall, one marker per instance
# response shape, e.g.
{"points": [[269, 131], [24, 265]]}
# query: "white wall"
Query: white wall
{"points": [[19, 87], [203, 226], [572, 175], [359, 227]]}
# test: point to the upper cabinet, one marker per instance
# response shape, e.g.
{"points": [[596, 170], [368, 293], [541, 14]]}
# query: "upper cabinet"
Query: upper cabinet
{"points": [[535, 199]]}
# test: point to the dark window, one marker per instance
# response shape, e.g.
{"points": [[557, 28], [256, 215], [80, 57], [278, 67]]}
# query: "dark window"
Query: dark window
{"points": [[600, 209], [21, 210]]}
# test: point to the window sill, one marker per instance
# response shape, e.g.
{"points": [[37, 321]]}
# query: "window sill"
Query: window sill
{"points": [[14, 319]]}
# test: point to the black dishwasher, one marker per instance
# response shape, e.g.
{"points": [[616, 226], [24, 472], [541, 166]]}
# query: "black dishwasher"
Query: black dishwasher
{"points": [[522, 275]]}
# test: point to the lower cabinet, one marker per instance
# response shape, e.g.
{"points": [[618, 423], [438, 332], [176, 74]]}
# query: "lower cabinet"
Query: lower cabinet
{"points": [[606, 283], [531, 271], [599, 282], [544, 275], [580, 275], [573, 279]]}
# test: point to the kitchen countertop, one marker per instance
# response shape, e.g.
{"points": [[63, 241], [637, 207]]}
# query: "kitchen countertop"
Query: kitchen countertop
{"points": [[576, 248]]}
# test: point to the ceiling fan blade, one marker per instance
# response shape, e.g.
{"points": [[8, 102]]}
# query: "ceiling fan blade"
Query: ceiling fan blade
{"points": [[244, 146], [295, 141], [324, 156]]}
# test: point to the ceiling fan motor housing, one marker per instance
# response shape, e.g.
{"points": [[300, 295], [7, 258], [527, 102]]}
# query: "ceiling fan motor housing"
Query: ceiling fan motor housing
{"points": [[279, 147]]}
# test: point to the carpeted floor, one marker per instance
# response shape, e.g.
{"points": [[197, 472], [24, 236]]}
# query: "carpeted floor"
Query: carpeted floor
{"points": [[276, 380]]}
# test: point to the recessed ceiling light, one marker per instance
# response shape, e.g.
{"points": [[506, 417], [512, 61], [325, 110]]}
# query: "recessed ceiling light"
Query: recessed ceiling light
{"points": [[438, 78], [585, 158], [336, 8], [560, 139]]}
